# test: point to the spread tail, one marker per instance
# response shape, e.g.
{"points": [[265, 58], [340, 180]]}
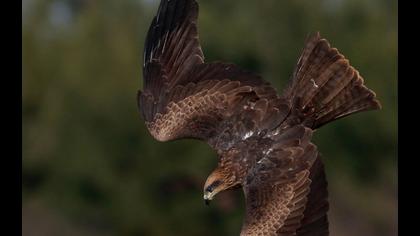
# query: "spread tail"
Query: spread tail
{"points": [[325, 87]]}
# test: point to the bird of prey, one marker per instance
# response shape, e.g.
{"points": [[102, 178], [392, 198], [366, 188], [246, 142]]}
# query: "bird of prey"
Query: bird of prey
{"points": [[262, 138]]}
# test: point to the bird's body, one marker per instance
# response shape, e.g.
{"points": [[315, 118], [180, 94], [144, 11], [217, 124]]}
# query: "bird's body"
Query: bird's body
{"points": [[263, 139]]}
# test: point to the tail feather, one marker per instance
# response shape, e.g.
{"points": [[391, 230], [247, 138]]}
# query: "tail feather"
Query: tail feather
{"points": [[325, 87], [350, 100]]}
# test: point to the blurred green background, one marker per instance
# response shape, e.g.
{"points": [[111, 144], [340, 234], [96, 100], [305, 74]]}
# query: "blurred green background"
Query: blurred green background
{"points": [[90, 166]]}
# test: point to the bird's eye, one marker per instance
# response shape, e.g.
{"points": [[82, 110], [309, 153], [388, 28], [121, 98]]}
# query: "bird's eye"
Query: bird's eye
{"points": [[213, 185]]}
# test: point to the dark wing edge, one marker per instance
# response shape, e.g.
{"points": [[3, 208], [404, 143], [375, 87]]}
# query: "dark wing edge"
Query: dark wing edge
{"points": [[315, 220], [171, 50], [278, 188], [325, 87]]}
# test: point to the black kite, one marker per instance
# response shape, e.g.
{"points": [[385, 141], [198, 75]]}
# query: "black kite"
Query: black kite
{"points": [[263, 139]]}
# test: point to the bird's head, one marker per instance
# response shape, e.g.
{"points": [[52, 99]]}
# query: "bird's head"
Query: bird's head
{"points": [[224, 177], [215, 183]]}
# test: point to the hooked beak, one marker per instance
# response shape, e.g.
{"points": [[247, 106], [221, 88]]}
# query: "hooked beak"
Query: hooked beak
{"points": [[208, 196], [207, 202]]}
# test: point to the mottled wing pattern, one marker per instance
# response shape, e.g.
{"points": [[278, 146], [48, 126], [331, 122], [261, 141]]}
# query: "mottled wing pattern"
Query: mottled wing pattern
{"points": [[184, 97], [276, 189], [325, 87]]}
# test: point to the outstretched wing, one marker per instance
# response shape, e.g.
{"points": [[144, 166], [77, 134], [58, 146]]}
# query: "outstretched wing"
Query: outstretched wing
{"points": [[184, 97], [278, 187]]}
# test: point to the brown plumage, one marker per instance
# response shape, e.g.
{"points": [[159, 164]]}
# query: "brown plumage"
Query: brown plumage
{"points": [[263, 139]]}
